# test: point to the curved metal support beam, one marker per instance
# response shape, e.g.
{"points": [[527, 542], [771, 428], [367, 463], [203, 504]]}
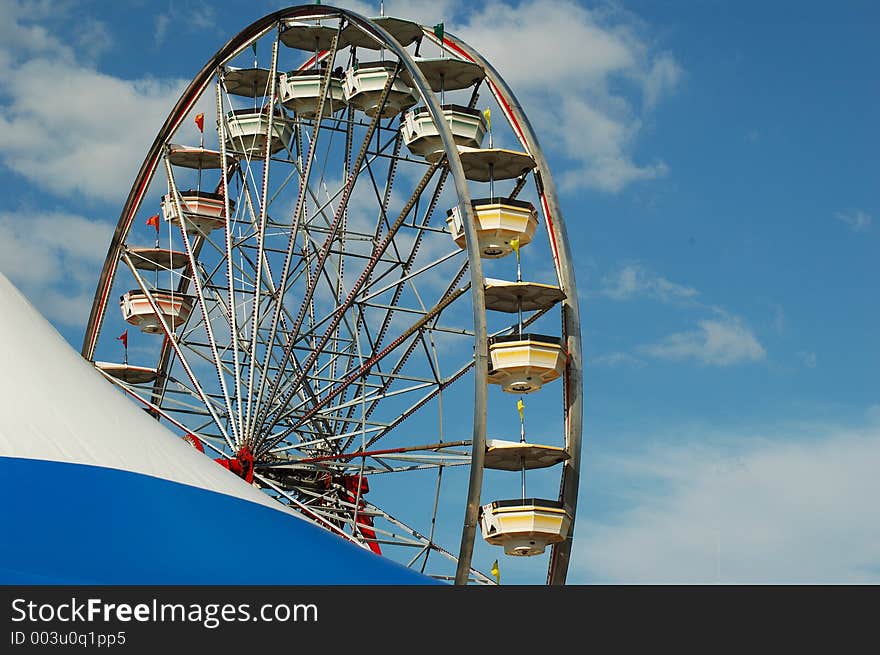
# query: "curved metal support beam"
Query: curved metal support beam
{"points": [[568, 493]]}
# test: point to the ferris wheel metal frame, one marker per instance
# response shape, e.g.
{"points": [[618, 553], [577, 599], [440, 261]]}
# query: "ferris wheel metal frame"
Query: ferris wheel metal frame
{"points": [[552, 215]]}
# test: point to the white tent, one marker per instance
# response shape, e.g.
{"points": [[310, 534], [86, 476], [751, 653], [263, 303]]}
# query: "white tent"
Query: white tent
{"points": [[95, 490]]}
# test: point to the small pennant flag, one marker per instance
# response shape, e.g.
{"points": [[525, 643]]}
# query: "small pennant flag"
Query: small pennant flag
{"points": [[520, 406], [254, 48], [514, 243], [488, 114], [153, 221], [495, 572], [200, 122], [439, 31], [124, 339]]}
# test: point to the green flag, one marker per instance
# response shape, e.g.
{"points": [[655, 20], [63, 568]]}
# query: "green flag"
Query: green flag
{"points": [[438, 31]]}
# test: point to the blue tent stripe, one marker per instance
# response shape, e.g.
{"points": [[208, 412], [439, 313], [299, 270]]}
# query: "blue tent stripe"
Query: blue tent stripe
{"points": [[78, 524]]}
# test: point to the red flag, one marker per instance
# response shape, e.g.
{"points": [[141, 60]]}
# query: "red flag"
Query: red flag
{"points": [[154, 221], [124, 339], [200, 122]]}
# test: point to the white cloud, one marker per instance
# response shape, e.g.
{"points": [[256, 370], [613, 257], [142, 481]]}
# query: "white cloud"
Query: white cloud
{"points": [[661, 79], [186, 19], [807, 358], [93, 38], [717, 342], [616, 359], [163, 21], [778, 318], [858, 220], [739, 510], [85, 132], [55, 259], [577, 82], [203, 17], [634, 281]]}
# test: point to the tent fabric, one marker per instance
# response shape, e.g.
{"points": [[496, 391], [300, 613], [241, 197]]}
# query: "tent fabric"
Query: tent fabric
{"points": [[94, 490]]}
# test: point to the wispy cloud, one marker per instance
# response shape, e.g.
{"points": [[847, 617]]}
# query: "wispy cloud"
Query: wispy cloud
{"points": [[583, 98], [635, 281], [54, 258], [163, 21], [93, 152], [807, 358], [187, 18], [738, 508], [614, 359], [722, 341], [857, 220], [778, 318]]}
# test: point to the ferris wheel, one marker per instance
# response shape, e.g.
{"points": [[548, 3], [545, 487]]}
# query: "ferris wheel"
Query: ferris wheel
{"points": [[347, 278]]}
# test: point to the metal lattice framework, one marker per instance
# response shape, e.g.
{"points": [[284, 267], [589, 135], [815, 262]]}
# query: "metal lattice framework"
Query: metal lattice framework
{"points": [[331, 323]]}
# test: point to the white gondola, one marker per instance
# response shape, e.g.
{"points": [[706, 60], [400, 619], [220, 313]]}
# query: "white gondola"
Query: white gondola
{"points": [[197, 158], [511, 297], [364, 86], [246, 131], [524, 363], [202, 211], [301, 92], [499, 221], [518, 455], [247, 82], [447, 74], [128, 373], [487, 164], [422, 136], [524, 527], [175, 308], [156, 259], [405, 32]]}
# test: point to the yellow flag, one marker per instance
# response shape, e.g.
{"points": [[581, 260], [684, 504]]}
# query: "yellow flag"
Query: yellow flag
{"points": [[488, 114], [520, 407], [514, 243], [495, 572]]}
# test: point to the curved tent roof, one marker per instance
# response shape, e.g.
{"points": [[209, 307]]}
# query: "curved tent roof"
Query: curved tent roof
{"points": [[94, 491]]}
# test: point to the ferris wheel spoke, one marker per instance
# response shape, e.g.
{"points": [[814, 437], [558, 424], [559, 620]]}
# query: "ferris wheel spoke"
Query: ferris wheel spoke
{"points": [[200, 296], [362, 279], [172, 338], [422, 539], [289, 497], [405, 271], [351, 378], [346, 194], [456, 280], [260, 232], [298, 212]]}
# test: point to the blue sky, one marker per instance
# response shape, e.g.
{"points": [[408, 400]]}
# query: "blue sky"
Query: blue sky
{"points": [[718, 170]]}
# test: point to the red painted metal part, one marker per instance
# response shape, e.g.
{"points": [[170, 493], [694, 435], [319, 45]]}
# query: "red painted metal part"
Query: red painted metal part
{"points": [[355, 488], [242, 465]]}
